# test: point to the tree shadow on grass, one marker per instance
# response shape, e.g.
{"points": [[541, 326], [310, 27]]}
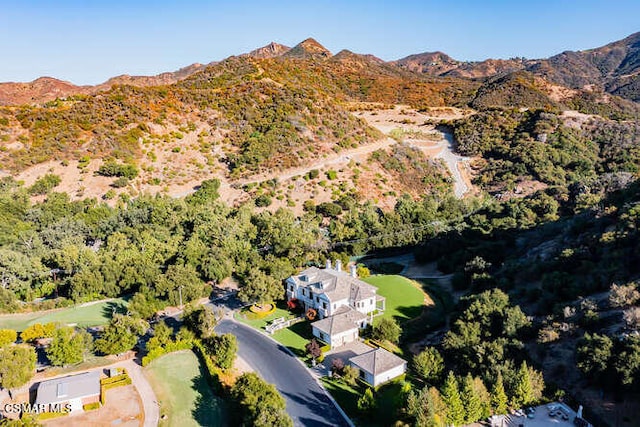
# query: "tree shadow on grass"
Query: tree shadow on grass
{"points": [[408, 312], [304, 330], [208, 410], [111, 308]]}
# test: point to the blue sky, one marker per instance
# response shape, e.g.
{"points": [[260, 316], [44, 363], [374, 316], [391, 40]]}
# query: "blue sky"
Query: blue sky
{"points": [[88, 41]]}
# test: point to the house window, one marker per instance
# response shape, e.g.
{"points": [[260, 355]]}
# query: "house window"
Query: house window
{"points": [[362, 374], [291, 287], [324, 305], [318, 300], [304, 293]]}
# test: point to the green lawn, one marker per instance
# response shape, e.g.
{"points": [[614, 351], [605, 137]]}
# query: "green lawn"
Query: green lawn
{"points": [[246, 316], [404, 298], [183, 393], [88, 315], [389, 401], [295, 337]]}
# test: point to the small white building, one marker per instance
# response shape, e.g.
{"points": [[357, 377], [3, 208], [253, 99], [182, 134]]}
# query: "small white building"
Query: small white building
{"points": [[379, 366]]}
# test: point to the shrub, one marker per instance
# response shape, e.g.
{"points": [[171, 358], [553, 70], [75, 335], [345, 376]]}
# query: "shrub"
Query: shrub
{"points": [[44, 184], [51, 415], [123, 181], [91, 406], [329, 209], [263, 201], [115, 169]]}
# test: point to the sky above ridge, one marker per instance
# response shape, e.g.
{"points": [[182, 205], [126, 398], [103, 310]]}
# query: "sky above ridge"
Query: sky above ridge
{"points": [[86, 42]]}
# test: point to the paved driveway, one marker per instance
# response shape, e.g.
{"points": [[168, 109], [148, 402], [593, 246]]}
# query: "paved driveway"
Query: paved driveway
{"points": [[307, 403]]}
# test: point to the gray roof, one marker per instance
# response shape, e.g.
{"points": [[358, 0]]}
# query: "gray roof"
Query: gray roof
{"points": [[336, 285], [345, 319], [67, 388], [377, 361]]}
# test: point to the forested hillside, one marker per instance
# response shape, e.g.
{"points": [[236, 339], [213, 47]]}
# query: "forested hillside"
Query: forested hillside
{"points": [[539, 256]]}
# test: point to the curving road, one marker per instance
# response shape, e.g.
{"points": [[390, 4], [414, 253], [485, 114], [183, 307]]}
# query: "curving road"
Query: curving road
{"points": [[453, 161], [307, 402]]}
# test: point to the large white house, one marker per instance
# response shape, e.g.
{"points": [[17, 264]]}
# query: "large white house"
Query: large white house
{"points": [[343, 302]]}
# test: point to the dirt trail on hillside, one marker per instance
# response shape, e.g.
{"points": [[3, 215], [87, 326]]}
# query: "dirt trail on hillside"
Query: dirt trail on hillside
{"points": [[229, 193], [454, 162]]}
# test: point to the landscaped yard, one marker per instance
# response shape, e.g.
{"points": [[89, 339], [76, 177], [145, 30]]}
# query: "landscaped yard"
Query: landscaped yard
{"points": [[183, 393], [294, 337], [93, 314], [405, 299], [253, 320], [389, 399]]}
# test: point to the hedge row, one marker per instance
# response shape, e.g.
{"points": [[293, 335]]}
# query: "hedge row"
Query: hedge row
{"points": [[91, 406], [121, 377], [169, 348], [104, 387], [214, 371]]}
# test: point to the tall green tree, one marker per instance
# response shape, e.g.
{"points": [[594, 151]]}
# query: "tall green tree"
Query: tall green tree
{"points": [[485, 397], [259, 404], [222, 349], [17, 365], [260, 288], [471, 400], [68, 346], [180, 280], [429, 365], [143, 305], [387, 329], [427, 408], [593, 355], [121, 334], [201, 320], [499, 400], [456, 414], [522, 393]]}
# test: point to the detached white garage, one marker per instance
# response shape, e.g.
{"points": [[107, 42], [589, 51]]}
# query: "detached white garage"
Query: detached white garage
{"points": [[379, 366]]}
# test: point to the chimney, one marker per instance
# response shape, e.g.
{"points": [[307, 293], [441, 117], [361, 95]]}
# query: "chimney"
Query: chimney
{"points": [[353, 270], [338, 265], [328, 264]]}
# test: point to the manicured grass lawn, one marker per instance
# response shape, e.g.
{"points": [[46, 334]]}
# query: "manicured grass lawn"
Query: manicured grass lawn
{"points": [[183, 393], [294, 337], [346, 396], [87, 315], [405, 299], [245, 316], [389, 400]]}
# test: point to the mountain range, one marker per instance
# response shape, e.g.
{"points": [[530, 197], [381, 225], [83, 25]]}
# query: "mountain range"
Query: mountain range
{"points": [[614, 68]]}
